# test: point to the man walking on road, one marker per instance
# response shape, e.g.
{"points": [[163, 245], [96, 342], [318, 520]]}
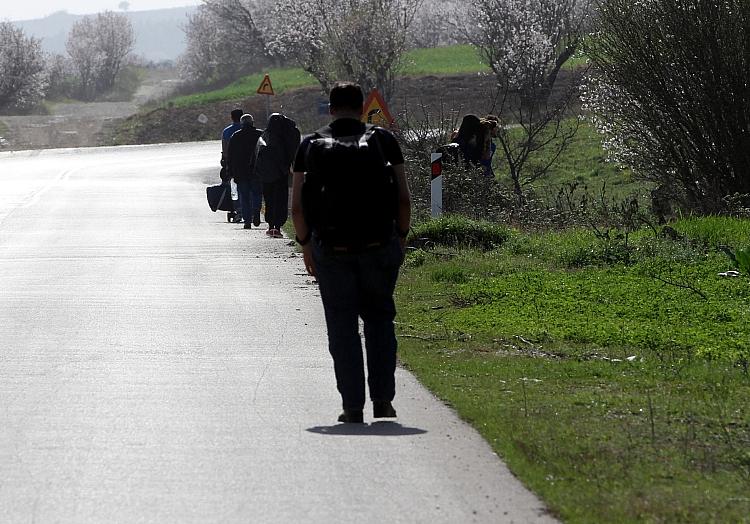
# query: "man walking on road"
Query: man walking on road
{"points": [[228, 131], [351, 209], [241, 167], [226, 178], [273, 161]]}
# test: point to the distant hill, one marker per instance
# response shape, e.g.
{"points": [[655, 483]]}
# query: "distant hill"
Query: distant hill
{"points": [[159, 35]]}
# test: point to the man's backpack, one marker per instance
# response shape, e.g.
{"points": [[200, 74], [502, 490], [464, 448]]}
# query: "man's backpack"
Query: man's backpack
{"points": [[276, 149], [350, 194]]}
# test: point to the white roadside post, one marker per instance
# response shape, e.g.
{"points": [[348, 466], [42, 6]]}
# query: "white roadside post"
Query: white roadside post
{"points": [[437, 184]]}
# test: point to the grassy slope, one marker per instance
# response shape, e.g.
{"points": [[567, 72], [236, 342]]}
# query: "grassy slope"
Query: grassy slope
{"points": [[453, 60], [446, 60], [530, 343], [281, 79], [583, 162]]}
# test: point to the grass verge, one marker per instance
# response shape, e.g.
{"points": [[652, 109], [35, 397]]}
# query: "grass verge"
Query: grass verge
{"points": [[616, 396], [281, 79]]}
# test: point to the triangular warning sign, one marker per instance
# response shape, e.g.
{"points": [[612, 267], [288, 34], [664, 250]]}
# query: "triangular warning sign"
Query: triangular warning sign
{"points": [[376, 112], [265, 86]]}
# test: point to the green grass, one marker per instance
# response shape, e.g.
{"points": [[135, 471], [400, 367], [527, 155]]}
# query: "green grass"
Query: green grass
{"points": [[584, 162], [454, 60], [3, 129], [450, 60], [715, 231], [281, 79], [615, 396]]}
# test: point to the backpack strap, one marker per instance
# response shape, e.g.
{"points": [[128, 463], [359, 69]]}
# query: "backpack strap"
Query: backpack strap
{"points": [[373, 132]]}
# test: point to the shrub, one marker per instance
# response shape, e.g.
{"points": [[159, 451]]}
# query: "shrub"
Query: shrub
{"points": [[671, 94], [454, 230]]}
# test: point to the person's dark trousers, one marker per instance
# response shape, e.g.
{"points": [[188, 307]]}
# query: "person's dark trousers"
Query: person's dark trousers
{"points": [[251, 198], [276, 195], [353, 286]]}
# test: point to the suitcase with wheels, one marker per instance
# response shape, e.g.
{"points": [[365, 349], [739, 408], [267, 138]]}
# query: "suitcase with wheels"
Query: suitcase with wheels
{"points": [[220, 198]]}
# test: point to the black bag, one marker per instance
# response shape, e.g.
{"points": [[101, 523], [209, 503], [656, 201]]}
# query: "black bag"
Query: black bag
{"points": [[451, 153], [276, 149], [220, 197], [350, 195]]}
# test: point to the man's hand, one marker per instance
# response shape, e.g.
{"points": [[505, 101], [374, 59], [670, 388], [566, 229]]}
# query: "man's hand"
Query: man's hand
{"points": [[308, 258]]}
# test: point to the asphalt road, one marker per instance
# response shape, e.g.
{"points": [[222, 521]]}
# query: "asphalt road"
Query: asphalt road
{"points": [[158, 364]]}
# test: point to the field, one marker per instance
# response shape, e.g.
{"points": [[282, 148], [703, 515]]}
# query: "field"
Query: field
{"points": [[615, 389]]}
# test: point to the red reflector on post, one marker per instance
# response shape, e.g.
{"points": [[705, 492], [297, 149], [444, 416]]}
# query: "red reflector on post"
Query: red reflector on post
{"points": [[437, 169]]}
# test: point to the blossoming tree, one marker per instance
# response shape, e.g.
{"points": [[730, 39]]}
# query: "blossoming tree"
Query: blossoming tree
{"points": [[22, 69], [526, 43], [98, 46], [357, 40]]}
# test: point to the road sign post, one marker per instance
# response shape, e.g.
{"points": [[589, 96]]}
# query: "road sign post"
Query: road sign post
{"points": [[375, 111], [436, 184], [266, 88]]}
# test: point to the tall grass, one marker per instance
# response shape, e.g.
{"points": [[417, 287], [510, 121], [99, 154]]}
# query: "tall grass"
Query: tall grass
{"points": [[714, 231]]}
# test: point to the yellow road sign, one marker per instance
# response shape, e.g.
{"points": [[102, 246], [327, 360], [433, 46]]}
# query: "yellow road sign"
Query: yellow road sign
{"points": [[376, 111], [265, 86]]}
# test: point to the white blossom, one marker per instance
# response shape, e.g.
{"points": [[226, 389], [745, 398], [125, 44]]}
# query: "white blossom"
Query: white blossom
{"points": [[356, 40], [22, 69]]}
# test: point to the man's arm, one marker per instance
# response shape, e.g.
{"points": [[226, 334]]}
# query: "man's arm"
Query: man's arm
{"points": [[225, 144], [301, 228], [403, 220]]}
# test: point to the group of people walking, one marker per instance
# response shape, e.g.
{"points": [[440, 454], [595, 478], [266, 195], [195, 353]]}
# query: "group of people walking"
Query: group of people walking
{"points": [[259, 162], [351, 209]]}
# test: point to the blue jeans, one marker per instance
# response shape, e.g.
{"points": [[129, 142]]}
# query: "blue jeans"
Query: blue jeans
{"points": [[251, 198], [353, 286]]}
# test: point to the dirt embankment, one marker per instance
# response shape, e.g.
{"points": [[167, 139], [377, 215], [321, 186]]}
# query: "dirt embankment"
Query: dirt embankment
{"points": [[418, 98]]}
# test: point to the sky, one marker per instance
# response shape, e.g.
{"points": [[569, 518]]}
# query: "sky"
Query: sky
{"points": [[28, 9]]}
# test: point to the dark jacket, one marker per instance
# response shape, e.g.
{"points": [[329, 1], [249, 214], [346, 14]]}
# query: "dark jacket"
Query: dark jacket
{"points": [[242, 153], [276, 149]]}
